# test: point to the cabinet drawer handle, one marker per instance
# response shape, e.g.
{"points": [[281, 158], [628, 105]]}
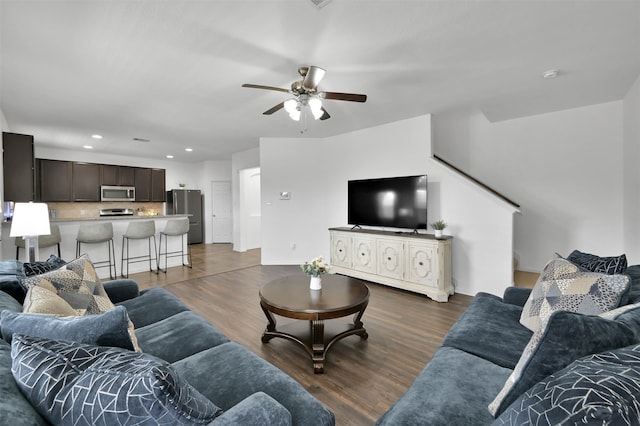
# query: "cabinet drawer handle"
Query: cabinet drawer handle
{"points": [[388, 258], [340, 251], [361, 254], [420, 263]]}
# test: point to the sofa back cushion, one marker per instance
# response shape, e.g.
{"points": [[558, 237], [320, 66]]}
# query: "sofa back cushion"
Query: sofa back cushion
{"points": [[79, 384]]}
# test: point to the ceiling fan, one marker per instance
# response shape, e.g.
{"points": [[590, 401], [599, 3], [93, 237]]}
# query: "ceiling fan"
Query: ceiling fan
{"points": [[305, 93]]}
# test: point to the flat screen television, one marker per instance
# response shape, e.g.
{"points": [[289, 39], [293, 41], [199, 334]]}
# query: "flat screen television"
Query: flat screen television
{"points": [[397, 202]]}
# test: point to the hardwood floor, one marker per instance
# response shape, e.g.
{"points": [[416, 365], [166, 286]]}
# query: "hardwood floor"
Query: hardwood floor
{"points": [[362, 378]]}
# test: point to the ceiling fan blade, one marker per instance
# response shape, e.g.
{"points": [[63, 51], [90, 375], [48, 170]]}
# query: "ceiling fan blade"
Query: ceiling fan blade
{"points": [[274, 109], [258, 86], [313, 77], [353, 97], [324, 116]]}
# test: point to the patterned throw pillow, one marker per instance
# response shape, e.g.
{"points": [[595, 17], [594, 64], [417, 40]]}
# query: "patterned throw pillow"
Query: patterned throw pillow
{"points": [[37, 268], [563, 286], [601, 389], [78, 284], [593, 263], [72, 383]]}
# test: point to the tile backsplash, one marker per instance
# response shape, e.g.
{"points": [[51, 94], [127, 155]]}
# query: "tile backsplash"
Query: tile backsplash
{"points": [[87, 210]]}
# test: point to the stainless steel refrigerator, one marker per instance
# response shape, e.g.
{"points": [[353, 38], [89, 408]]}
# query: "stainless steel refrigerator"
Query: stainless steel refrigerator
{"points": [[188, 201]]}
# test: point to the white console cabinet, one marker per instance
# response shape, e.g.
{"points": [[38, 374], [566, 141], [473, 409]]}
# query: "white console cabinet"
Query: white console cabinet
{"points": [[415, 262]]}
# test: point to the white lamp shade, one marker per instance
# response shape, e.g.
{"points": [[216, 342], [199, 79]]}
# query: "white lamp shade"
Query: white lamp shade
{"points": [[315, 105], [290, 106], [30, 219]]}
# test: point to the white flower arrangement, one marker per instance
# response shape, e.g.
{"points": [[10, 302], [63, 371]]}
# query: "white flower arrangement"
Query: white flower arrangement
{"points": [[315, 267]]}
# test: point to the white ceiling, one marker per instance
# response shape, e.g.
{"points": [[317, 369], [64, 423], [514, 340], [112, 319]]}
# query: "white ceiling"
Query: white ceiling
{"points": [[171, 71]]}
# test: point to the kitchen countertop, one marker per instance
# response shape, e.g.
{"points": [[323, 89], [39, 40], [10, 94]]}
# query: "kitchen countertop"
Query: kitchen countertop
{"points": [[111, 218]]}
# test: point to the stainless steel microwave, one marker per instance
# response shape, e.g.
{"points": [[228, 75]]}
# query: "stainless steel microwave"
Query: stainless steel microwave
{"points": [[117, 193]]}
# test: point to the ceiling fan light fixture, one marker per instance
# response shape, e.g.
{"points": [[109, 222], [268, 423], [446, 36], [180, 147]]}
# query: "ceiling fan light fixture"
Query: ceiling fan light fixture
{"points": [[315, 104], [291, 105]]}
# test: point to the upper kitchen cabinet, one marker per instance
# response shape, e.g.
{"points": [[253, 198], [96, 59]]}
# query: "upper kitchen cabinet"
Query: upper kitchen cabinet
{"points": [[117, 175], [18, 167], [54, 180], [86, 181], [142, 183], [158, 192]]}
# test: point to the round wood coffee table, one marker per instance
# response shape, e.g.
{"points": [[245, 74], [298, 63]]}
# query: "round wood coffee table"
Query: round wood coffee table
{"points": [[291, 297]]}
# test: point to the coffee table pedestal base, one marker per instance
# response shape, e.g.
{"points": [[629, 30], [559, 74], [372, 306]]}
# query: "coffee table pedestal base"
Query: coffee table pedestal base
{"points": [[312, 337]]}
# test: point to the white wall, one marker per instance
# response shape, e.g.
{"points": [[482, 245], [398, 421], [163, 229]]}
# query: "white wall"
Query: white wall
{"points": [[631, 159], [563, 168], [316, 171]]}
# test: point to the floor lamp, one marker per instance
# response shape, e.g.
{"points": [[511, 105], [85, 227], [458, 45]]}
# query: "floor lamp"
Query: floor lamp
{"points": [[29, 221]]}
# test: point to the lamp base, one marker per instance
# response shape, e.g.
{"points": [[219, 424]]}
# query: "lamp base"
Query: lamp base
{"points": [[31, 247]]}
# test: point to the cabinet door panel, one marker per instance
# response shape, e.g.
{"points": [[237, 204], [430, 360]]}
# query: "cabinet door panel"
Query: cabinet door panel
{"points": [[86, 182], [340, 250], [421, 265], [364, 255], [18, 167], [55, 180], [158, 192], [143, 184], [390, 258]]}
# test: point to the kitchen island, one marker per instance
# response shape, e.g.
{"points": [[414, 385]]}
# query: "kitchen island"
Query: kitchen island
{"points": [[98, 252]]}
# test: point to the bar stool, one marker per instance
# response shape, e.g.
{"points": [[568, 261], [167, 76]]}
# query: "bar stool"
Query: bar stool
{"points": [[139, 230], [174, 228], [43, 241], [95, 233]]}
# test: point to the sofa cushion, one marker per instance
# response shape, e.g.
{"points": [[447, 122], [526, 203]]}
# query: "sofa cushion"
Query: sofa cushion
{"points": [[9, 303], [179, 336], [593, 263], [566, 337], [240, 373], [453, 389], [598, 389], [37, 268], [78, 384], [501, 338], [153, 305], [13, 405], [634, 293], [108, 329], [563, 286]]}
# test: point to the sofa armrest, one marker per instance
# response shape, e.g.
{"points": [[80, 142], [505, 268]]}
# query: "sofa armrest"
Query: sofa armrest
{"points": [[516, 295], [121, 290], [257, 409]]}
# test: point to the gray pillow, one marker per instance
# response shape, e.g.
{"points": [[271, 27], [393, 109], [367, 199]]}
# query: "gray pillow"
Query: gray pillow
{"points": [[107, 329], [72, 383]]}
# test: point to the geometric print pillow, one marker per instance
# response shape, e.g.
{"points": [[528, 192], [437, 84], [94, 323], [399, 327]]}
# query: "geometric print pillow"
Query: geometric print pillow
{"points": [[78, 284], [593, 263], [75, 384], [563, 286], [601, 389]]}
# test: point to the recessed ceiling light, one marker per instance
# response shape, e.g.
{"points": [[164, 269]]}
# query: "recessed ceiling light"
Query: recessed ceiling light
{"points": [[188, 149], [550, 74], [96, 136], [169, 156], [87, 147]]}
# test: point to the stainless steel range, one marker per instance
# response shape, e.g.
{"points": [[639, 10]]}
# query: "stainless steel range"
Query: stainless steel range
{"points": [[116, 212]]}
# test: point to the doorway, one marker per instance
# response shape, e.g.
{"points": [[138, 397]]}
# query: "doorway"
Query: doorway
{"points": [[249, 209]]}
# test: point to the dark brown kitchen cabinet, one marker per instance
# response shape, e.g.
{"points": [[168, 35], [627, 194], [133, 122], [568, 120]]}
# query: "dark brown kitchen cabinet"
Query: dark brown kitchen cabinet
{"points": [[18, 167], [116, 175], [142, 184], [54, 180], [158, 192], [86, 181]]}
